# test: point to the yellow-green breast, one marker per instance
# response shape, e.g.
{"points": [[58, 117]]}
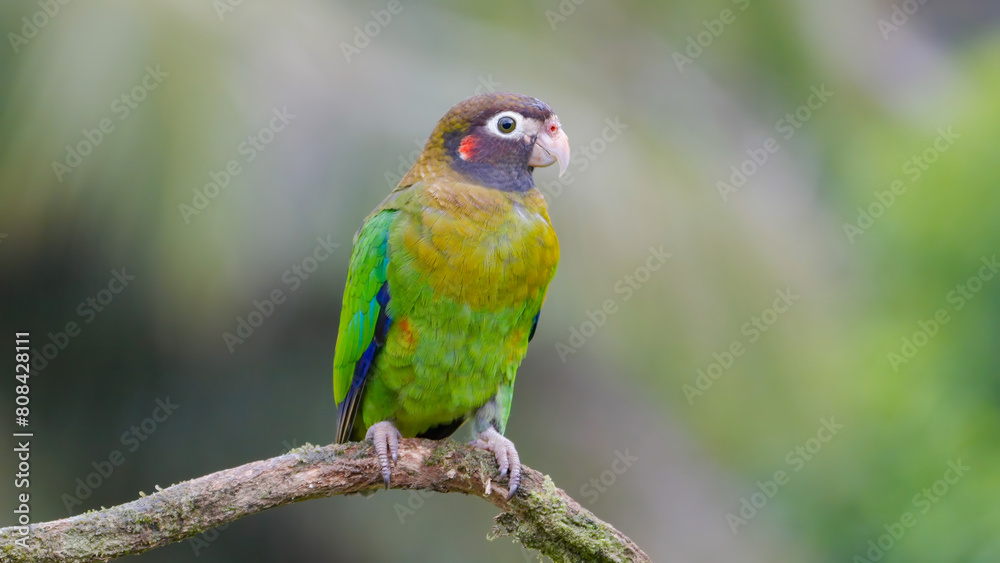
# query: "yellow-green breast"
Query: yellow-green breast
{"points": [[468, 270]]}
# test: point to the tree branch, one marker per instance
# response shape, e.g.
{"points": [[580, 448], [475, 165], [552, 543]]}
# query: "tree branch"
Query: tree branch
{"points": [[541, 516]]}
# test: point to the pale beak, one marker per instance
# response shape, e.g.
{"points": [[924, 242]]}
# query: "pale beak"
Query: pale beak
{"points": [[551, 145]]}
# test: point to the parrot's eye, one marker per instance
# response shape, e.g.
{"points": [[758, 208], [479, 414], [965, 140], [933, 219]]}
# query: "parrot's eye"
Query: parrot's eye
{"points": [[506, 123]]}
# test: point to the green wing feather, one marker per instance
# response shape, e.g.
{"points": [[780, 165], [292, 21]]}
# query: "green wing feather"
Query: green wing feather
{"points": [[360, 312]]}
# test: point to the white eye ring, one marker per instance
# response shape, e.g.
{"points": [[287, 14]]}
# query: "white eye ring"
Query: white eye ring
{"points": [[494, 127]]}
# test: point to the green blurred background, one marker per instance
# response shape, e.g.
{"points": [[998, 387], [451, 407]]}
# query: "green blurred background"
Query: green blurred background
{"points": [[806, 296]]}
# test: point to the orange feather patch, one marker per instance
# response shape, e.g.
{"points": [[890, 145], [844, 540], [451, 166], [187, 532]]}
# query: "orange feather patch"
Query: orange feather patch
{"points": [[404, 329], [467, 149]]}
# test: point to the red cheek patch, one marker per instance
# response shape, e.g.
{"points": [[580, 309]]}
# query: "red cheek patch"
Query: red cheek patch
{"points": [[467, 149]]}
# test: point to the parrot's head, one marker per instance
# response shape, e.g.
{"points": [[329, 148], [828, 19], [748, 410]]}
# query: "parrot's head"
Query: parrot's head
{"points": [[495, 140]]}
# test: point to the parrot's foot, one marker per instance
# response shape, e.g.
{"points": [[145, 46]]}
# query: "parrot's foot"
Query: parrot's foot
{"points": [[506, 454], [386, 439]]}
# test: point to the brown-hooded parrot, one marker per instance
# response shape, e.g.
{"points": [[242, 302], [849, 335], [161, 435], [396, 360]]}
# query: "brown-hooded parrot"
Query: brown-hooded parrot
{"points": [[446, 280]]}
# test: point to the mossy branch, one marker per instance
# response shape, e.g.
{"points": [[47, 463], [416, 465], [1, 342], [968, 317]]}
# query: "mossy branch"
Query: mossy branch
{"points": [[540, 516]]}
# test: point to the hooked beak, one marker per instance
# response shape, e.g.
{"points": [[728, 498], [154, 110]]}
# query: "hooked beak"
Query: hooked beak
{"points": [[551, 145]]}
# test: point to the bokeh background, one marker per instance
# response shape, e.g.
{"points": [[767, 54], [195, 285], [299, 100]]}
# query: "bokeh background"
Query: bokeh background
{"points": [[875, 210]]}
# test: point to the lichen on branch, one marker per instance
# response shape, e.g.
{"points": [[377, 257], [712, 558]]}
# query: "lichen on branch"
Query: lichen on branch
{"points": [[541, 516]]}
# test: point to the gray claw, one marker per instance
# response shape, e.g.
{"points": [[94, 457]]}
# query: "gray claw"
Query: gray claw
{"points": [[506, 455], [386, 437]]}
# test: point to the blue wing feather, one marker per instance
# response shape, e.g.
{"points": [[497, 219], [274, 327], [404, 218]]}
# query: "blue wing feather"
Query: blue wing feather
{"points": [[347, 410], [364, 320]]}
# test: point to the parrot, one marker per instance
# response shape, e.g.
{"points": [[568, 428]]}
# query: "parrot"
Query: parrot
{"points": [[446, 281]]}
